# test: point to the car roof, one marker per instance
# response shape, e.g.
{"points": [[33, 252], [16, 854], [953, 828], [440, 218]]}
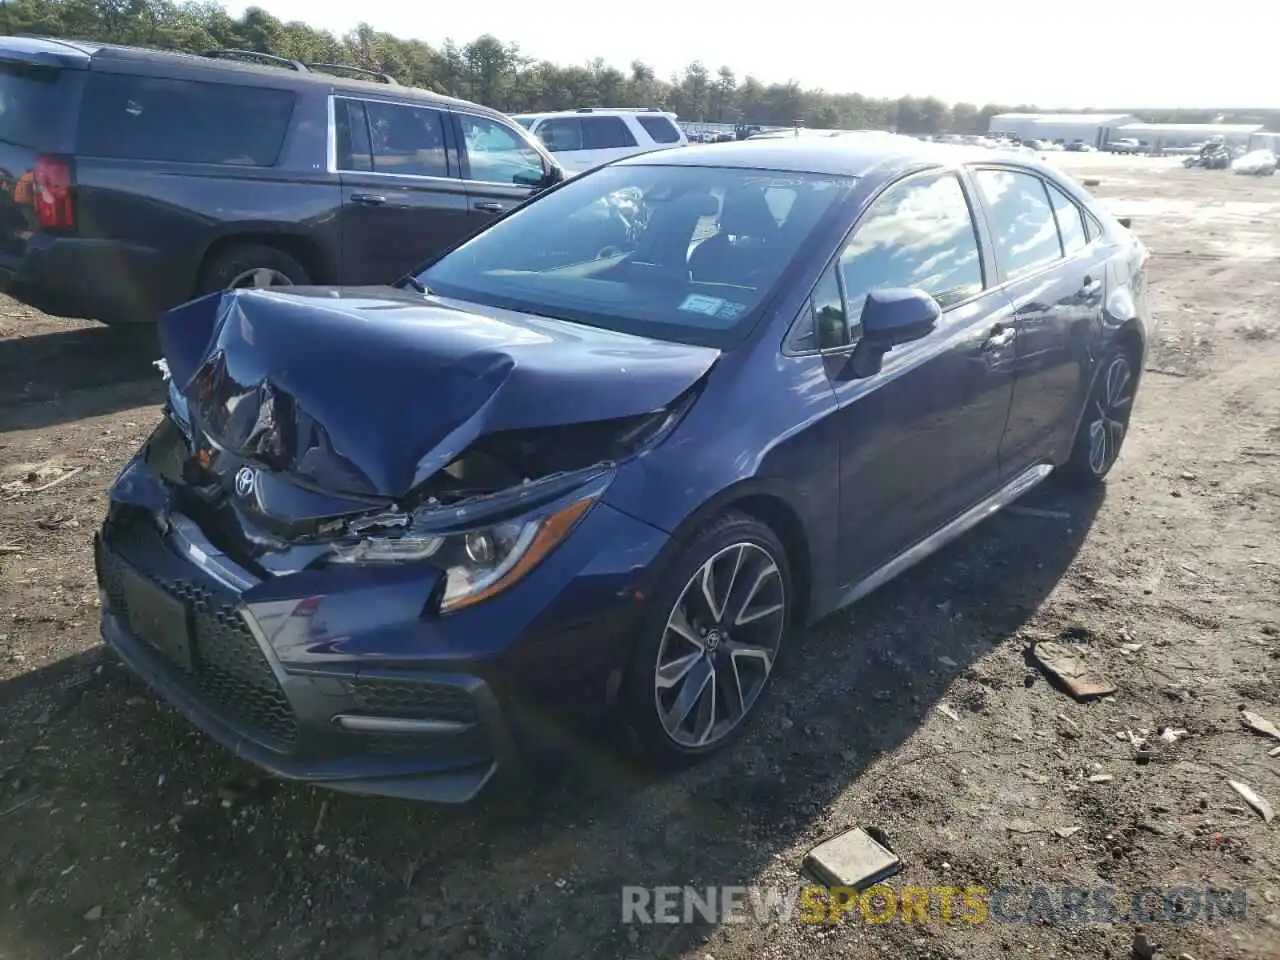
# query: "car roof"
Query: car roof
{"points": [[597, 112], [851, 155], [76, 53]]}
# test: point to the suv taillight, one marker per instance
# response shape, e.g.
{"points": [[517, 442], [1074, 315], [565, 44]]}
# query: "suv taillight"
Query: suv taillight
{"points": [[51, 197]]}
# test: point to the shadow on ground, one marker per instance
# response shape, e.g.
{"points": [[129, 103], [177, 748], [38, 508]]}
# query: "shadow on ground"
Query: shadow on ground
{"points": [[54, 378], [110, 802]]}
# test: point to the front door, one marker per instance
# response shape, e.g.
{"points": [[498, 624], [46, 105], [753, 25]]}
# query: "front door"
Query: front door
{"points": [[499, 168], [1055, 282], [403, 197], [919, 440]]}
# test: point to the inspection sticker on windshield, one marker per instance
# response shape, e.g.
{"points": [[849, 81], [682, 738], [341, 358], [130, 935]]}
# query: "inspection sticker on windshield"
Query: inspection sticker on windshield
{"points": [[712, 306], [700, 303]]}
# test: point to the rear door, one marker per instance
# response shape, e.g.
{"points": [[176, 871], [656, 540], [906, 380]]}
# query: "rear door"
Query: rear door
{"points": [[37, 117], [606, 138], [1054, 277], [563, 137], [500, 167], [403, 197]]}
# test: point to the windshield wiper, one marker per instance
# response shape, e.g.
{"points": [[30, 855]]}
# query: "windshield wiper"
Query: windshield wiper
{"points": [[417, 285]]}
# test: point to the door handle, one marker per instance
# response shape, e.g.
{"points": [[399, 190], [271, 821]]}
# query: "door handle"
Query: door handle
{"points": [[368, 199], [489, 206], [1001, 336]]}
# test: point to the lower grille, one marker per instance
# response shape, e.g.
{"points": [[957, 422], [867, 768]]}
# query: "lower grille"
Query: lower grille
{"points": [[413, 699], [228, 670]]}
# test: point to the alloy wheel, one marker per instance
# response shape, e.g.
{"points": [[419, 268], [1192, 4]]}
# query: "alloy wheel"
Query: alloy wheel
{"points": [[719, 645], [259, 278], [1111, 415]]}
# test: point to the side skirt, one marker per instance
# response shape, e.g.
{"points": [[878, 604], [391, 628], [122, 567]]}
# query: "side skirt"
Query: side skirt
{"points": [[966, 521]]}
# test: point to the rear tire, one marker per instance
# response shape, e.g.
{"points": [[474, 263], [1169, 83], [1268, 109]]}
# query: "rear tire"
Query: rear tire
{"points": [[1105, 422], [251, 265], [698, 674]]}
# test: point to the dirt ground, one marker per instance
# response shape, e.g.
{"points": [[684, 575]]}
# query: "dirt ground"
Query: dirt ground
{"points": [[125, 833]]}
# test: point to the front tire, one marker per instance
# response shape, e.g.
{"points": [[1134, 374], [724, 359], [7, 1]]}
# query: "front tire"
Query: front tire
{"points": [[709, 643], [1105, 423]]}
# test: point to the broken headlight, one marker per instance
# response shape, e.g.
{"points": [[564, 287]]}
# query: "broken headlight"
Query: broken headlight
{"points": [[480, 562]]}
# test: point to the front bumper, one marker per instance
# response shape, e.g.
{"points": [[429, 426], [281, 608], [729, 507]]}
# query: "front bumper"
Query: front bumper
{"points": [[357, 690]]}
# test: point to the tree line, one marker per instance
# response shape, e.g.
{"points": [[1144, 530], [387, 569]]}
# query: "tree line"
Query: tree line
{"points": [[487, 70]]}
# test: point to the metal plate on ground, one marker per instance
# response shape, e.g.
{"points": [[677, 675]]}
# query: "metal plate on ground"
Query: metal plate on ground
{"points": [[852, 859], [157, 619]]}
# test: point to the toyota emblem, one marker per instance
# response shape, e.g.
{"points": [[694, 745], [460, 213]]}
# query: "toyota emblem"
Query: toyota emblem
{"points": [[246, 477]]}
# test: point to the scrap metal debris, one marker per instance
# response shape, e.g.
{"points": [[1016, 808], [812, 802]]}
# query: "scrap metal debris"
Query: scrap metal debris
{"points": [[1071, 670], [1259, 724], [1253, 799]]}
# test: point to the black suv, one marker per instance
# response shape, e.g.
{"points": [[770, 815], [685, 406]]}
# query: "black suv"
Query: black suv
{"points": [[132, 180]]}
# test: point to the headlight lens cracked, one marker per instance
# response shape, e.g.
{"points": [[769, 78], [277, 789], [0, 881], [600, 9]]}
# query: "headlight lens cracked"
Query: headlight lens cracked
{"points": [[478, 563]]}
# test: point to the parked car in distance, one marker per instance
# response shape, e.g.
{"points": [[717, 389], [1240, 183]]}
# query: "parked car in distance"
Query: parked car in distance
{"points": [[383, 537], [1080, 146], [1123, 145], [160, 176], [586, 138]]}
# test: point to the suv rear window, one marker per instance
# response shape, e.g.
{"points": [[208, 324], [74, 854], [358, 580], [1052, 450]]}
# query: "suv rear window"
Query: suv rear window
{"points": [[29, 98], [660, 128], [184, 121]]}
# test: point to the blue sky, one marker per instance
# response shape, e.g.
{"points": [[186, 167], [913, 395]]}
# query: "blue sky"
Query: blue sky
{"points": [[1083, 53]]}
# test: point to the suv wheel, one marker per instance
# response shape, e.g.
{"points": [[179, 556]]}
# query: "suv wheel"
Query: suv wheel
{"points": [[711, 640], [251, 265]]}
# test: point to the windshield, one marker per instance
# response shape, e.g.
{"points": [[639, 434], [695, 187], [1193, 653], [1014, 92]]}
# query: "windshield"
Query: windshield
{"points": [[672, 252]]}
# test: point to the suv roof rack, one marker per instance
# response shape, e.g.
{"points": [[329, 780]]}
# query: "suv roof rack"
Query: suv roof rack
{"points": [[256, 56], [618, 110], [360, 72]]}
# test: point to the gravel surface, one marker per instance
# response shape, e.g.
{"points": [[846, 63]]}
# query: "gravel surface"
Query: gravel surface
{"points": [[125, 833]]}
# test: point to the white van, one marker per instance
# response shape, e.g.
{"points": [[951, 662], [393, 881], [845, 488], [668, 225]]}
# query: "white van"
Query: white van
{"points": [[585, 138]]}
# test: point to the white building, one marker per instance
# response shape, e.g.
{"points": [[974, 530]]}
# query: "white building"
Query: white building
{"points": [[1093, 128], [1157, 135]]}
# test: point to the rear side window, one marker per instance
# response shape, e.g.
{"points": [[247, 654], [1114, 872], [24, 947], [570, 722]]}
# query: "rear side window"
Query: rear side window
{"points": [[605, 133], [561, 134], [660, 129], [30, 102], [182, 121], [407, 140], [1071, 226], [918, 234], [1022, 222]]}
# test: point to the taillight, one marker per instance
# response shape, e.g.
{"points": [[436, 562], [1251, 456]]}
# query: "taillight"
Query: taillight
{"points": [[51, 197]]}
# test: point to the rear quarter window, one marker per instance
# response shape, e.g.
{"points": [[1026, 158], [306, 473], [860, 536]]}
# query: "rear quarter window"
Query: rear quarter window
{"points": [[32, 104], [183, 121]]}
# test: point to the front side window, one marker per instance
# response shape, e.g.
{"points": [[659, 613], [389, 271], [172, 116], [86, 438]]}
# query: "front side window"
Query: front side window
{"points": [[1022, 222], [407, 139], [606, 133], [660, 129], [561, 134], [497, 154], [918, 234], [678, 253], [182, 121]]}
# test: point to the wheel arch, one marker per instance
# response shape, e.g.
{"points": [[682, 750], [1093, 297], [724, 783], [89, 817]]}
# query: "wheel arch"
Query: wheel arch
{"points": [[769, 503], [302, 248]]}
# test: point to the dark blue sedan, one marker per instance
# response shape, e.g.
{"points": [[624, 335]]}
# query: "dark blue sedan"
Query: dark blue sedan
{"points": [[610, 455]]}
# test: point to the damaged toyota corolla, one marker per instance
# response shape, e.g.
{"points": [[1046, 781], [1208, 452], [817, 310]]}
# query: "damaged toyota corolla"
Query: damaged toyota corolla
{"points": [[602, 458]]}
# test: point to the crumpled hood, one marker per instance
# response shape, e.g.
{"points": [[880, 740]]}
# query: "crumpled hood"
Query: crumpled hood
{"points": [[370, 391]]}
